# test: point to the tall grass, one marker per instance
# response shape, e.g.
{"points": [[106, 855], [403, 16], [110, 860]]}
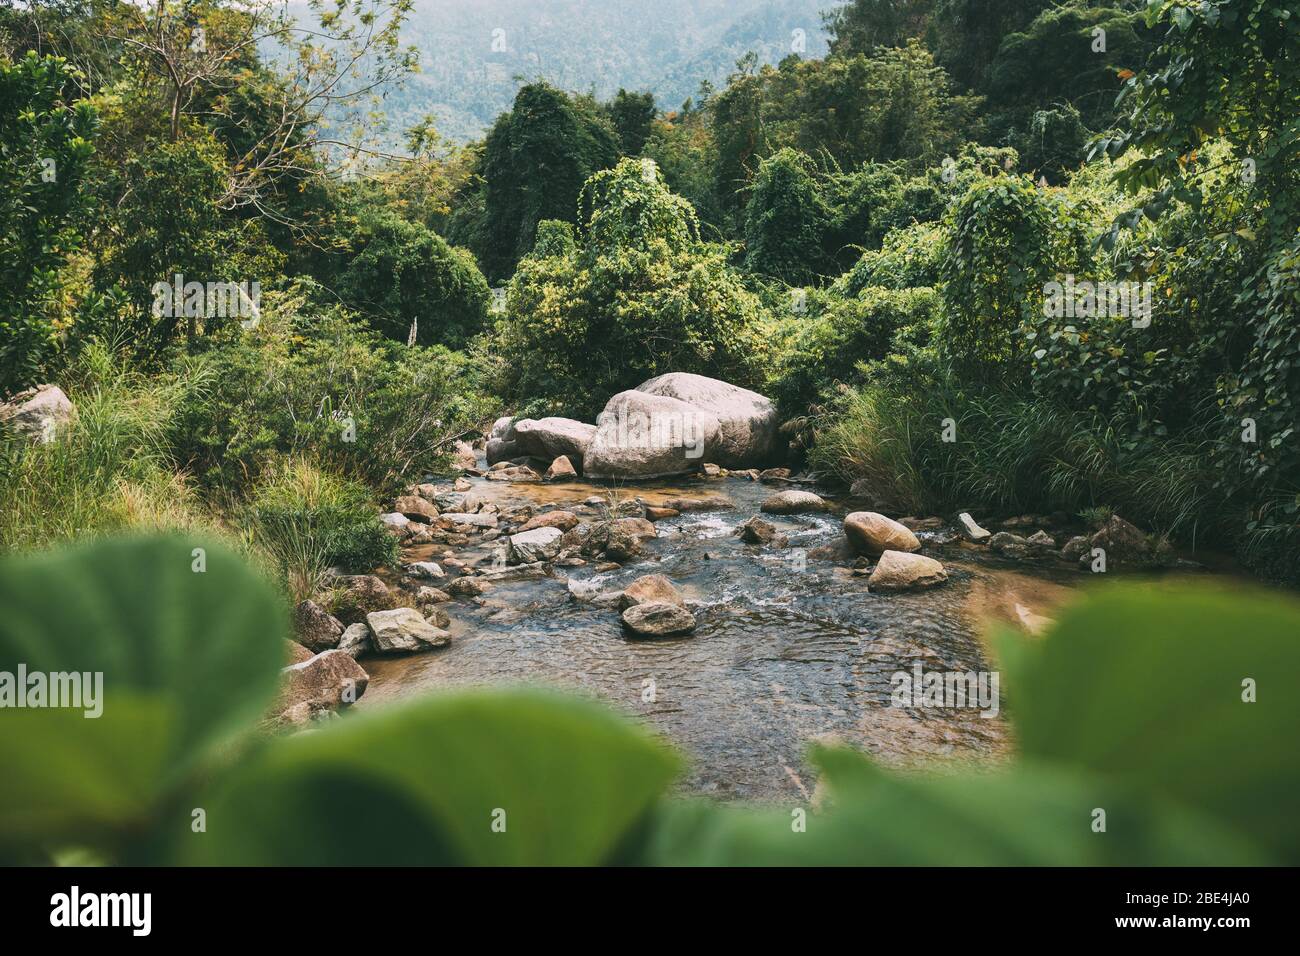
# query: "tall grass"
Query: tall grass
{"points": [[1011, 454], [108, 470]]}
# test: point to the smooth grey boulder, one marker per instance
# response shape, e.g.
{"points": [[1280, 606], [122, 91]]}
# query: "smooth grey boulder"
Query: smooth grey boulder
{"points": [[747, 421], [640, 435], [38, 412], [550, 438]]}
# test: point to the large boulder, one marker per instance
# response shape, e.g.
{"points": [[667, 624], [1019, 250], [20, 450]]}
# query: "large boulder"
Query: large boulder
{"points": [[38, 412], [901, 571], [549, 438], [658, 619], [322, 683], [873, 534], [502, 443], [640, 435], [748, 421], [403, 630]]}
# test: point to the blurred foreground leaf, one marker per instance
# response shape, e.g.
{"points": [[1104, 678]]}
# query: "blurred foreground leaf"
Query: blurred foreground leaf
{"points": [[188, 659], [1143, 685], [425, 783]]}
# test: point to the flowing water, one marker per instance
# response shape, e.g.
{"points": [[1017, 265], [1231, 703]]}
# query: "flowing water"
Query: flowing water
{"points": [[788, 648]]}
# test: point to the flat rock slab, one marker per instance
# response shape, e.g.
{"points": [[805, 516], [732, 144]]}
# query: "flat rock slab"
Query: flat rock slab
{"points": [[903, 571], [794, 502], [403, 630]]}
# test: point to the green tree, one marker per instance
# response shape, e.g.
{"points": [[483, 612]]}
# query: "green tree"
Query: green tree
{"points": [[411, 284], [45, 144], [632, 114], [535, 160], [786, 220], [635, 296]]}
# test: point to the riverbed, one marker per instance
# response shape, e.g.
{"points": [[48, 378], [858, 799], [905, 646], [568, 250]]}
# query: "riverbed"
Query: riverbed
{"points": [[789, 648]]}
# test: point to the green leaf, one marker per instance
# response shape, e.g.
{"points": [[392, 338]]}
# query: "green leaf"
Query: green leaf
{"points": [[1144, 684], [424, 783], [187, 660], [1027, 815]]}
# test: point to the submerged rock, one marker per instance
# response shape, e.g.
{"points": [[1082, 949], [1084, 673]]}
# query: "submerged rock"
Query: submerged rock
{"points": [[903, 571], [709, 503], [872, 534], [756, 531], [794, 502], [658, 619], [651, 589]]}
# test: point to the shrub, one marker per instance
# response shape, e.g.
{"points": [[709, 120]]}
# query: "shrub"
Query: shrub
{"points": [[829, 347], [309, 380], [1007, 239], [110, 469], [1015, 454], [411, 284], [786, 219], [308, 520], [909, 257]]}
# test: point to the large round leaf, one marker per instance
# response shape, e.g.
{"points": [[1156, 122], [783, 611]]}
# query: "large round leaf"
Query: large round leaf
{"points": [[1147, 685], [189, 652], [485, 777]]}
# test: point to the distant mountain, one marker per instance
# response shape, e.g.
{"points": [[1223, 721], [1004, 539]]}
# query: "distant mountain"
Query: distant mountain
{"points": [[475, 53]]}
